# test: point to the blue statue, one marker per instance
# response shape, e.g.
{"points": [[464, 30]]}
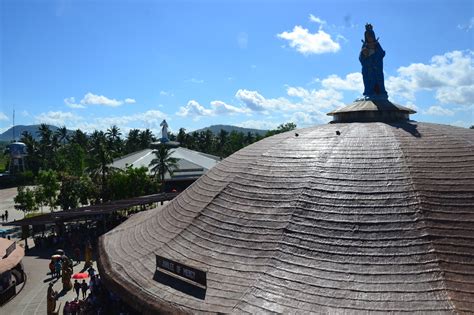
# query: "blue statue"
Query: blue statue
{"points": [[371, 58]]}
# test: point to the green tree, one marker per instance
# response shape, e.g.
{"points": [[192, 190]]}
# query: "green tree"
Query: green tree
{"points": [[100, 159], [281, 128], [79, 138], [146, 138], [45, 147], [68, 197], [75, 157], [114, 141], [132, 182], [132, 143], [25, 199], [162, 163], [222, 142], [33, 162], [181, 137], [40, 198], [50, 185], [62, 135], [87, 190]]}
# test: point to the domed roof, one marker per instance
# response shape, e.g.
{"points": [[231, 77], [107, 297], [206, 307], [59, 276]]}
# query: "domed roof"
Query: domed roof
{"points": [[347, 217]]}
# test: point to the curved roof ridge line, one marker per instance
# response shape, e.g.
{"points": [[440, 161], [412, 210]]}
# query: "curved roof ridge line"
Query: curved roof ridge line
{"points": [[419, 214]]}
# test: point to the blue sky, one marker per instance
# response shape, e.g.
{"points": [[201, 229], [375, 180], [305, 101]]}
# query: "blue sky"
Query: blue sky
{"points": [[91, 64]]}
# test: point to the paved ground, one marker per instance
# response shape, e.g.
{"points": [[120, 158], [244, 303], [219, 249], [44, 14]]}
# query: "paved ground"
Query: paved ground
{"points": [[7, 203], [32, 299]]}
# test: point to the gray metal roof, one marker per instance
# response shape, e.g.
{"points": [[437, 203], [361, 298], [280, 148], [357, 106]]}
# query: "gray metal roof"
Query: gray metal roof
{"points": [[190, 163]]}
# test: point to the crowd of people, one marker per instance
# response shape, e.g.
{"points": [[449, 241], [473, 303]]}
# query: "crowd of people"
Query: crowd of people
{"points": [[98, 301], [73, 240]]}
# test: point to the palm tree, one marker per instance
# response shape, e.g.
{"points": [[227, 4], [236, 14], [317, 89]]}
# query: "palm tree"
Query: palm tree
{"points": [[101, 158], [146, 138], [45, 134], [163, 163], [32, 159], [132, 144], [46, 146], [62, 134], [113, 138]]}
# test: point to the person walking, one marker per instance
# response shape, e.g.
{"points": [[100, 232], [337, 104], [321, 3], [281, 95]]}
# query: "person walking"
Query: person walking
{"points": [[84, 288], [77, 254], [91, 271], [77, 287], [57, 267], [6, 215]]}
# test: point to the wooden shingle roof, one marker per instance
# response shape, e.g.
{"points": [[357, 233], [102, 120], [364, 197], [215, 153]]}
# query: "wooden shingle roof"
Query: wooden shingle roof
{"points": [[377, 218]]}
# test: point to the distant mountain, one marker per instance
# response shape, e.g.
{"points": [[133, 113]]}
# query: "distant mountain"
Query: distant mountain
{"points": [[19, 129], [217, 128]]}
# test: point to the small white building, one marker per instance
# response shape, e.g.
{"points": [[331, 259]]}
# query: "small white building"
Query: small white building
{"points": [[190, 165]]}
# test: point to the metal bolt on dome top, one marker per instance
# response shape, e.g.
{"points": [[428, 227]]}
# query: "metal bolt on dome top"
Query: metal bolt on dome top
{"points": [[374, 105]]}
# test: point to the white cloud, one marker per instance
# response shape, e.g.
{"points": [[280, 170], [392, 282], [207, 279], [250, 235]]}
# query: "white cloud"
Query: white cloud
{"points": [[308, 43], [194, 80], [71, 102], [166, 93], [311, 118], [316, 19], [221, 108], [352, 82], [150, 119], [24, 113], [439, 111], [256, 102], [461, 123], [451, 76], [297, 92], [252, 99], [468, 26], [3, 117], [58, 118], [463, 95], [194, 109], [94, 99], [258, 124], [242, 40], [398, 86], [315, 99]]}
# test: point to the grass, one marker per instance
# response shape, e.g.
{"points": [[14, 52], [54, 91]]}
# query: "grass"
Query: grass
{"points": [[32, 214]]}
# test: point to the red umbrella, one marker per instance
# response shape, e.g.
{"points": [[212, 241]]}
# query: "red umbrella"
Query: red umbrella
{"points": [[80, 275]]}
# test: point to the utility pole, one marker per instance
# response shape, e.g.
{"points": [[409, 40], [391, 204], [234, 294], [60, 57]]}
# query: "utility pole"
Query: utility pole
{"points": [[13, 129]]}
